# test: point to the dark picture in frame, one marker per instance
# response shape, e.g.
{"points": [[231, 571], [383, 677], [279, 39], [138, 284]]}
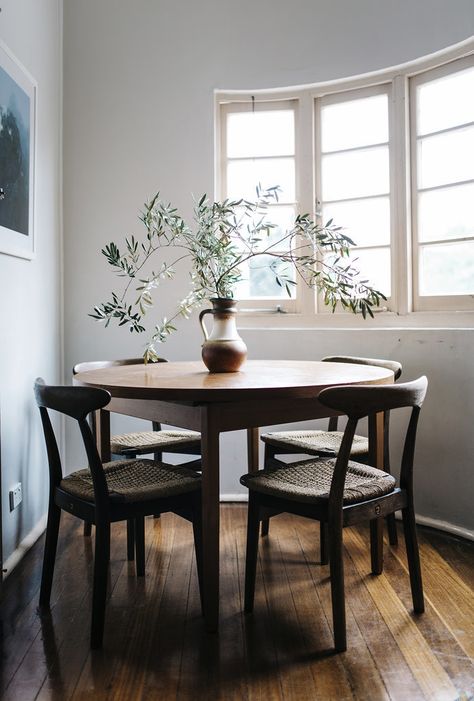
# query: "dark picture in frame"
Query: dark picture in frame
{"points": [[17, 156]]}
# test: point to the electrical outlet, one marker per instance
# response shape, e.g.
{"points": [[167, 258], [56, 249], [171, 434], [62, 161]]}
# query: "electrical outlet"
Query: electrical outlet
{"points": [[15, 496]]}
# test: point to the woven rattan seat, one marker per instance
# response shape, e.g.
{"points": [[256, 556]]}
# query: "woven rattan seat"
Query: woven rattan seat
{"points": [[310, 481], [134, 480], [153, 441], [314, 441]]}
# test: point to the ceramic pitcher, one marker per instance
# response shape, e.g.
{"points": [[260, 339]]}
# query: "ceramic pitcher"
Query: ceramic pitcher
{"points": [[223, 350]]}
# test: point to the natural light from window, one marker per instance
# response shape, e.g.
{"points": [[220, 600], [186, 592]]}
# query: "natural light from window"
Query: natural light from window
{"points": [[445, 184], [391, 162]]}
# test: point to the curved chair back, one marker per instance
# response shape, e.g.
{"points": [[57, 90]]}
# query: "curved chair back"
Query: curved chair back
{"points": [[362, 400], [392, 365], [358, 401], [78, 403]]}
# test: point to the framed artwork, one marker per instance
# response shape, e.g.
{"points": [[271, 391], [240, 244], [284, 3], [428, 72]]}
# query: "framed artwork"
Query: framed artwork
{"points": [[17, 156]]}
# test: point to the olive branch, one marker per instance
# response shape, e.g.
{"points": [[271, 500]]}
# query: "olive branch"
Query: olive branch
{"points": [[226, 236]]}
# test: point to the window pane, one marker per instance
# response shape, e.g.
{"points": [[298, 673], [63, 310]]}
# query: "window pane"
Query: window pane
{"points": [[354, 123], [244, 176], [262, 133], [446, 158], [374, 266], [355, 174], [366, 222], [260, 280], [447, 269], [283, 218], [446, 213], [446, 102]]}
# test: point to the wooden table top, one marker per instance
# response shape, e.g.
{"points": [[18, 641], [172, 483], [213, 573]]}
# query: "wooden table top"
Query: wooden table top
{"points": [[258, 379]]}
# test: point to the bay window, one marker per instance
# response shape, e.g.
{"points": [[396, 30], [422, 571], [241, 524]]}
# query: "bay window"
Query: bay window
{"points": [[389, 160]]}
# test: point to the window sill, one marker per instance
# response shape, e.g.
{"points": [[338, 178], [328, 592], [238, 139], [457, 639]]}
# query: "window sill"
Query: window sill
{"points": [[382, 320]]}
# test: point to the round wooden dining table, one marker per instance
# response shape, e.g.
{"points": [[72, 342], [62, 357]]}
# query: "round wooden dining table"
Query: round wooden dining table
{"points": [[262, 393]]}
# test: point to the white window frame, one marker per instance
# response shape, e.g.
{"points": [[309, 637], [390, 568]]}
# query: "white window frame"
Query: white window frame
{"points": [[404, 309], [267, 304], [346, 96], [432, 302]]}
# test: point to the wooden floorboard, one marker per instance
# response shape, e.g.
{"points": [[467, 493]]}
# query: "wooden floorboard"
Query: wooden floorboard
{"points": [[156, 645]]}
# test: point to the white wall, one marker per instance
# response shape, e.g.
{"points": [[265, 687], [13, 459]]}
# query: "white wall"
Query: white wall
{"points": [[138, 117], [30, 291]]}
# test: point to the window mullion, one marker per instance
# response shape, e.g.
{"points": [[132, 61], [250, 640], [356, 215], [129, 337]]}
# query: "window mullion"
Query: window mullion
{"points": [[401, 222], [305, 185], [318, 193]]}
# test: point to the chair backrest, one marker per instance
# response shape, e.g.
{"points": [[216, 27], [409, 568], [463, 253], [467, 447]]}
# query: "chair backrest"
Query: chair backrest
{"points": [[392, 365], [99, 364], [357, 401], [362, 400], [76, 402]]}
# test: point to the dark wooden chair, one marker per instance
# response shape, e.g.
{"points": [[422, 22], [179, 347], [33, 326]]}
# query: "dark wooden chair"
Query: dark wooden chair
{"points": [[156, 441], [339, 492], [328, 443], [104, 493]]}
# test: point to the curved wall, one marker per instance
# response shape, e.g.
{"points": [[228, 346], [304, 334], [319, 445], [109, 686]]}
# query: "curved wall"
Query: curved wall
{"points": [[139, 117]]}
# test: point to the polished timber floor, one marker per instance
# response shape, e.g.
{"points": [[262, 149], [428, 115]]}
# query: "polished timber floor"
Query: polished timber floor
{"points": [[155, 645]]}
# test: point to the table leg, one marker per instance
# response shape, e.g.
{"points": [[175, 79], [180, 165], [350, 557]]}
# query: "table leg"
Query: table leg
{"points": [[102, 428], [210, 516], [376, 458], [376, 430], [253, 435]]}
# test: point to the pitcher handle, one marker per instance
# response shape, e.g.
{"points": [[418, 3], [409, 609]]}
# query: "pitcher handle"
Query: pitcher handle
{"points": [[201, 321]]}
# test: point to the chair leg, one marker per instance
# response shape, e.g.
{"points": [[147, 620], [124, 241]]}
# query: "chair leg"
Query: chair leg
{"points": [[99, 595], [49, 558], [269, 452], [392, 529], [337, 587], [413, 557], [252, 552], [130, 539], [158, 457], [140, 545], [323, 542], [87, 529], [376, 545]]}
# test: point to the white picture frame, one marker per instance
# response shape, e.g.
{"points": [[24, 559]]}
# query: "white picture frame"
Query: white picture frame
{"points": [[18, 95]]}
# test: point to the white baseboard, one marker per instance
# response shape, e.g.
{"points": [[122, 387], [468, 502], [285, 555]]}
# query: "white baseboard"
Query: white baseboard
{"points": [[27, 542], [234, 497], [445, 526]]}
